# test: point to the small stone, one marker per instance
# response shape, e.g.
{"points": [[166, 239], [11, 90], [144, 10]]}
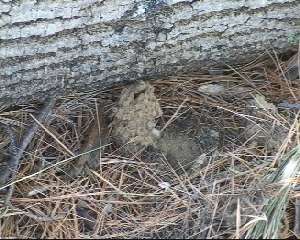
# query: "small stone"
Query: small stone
{"points": [[216, 71], [261, 103], [156, 133], [164, 185], [201, 159], [37, 190], [212, 89], [108, 208]]}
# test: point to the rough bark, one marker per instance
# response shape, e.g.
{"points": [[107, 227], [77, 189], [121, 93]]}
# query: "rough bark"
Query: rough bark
{"points": [[51, 45]]}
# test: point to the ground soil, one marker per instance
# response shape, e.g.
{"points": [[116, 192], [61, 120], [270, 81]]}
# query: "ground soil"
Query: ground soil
{"points": [[186, 156]]}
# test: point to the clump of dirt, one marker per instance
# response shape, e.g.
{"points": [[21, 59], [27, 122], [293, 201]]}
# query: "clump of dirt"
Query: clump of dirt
{"points": [[134, 125], [134, 121], [263, 130]]}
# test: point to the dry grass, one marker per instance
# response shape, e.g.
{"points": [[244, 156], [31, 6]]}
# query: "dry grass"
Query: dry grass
{"points": [[129, 198]]}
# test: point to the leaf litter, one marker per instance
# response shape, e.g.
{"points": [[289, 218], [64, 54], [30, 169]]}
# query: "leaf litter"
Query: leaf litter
{"points": [[188, 156]]}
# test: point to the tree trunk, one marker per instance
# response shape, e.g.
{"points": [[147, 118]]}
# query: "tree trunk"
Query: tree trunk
{"points": [[49, 46]]}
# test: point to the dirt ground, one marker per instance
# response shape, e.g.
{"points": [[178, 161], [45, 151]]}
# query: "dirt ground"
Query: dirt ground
{"points": [[202, 155]]}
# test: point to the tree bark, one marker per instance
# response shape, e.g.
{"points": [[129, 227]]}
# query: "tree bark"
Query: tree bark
{"points": [[49, 46]]}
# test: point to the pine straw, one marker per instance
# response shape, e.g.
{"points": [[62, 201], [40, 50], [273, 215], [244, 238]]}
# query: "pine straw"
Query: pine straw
{"points": [[129, 198]]}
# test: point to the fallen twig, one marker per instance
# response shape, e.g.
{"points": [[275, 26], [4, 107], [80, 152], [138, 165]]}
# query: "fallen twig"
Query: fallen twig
{"points": [[8, 165], [16, 152], [297, 218], [288, 105]]}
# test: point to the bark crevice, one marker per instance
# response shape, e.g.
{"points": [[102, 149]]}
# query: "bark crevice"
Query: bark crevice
{"points": [[62, 46]]}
